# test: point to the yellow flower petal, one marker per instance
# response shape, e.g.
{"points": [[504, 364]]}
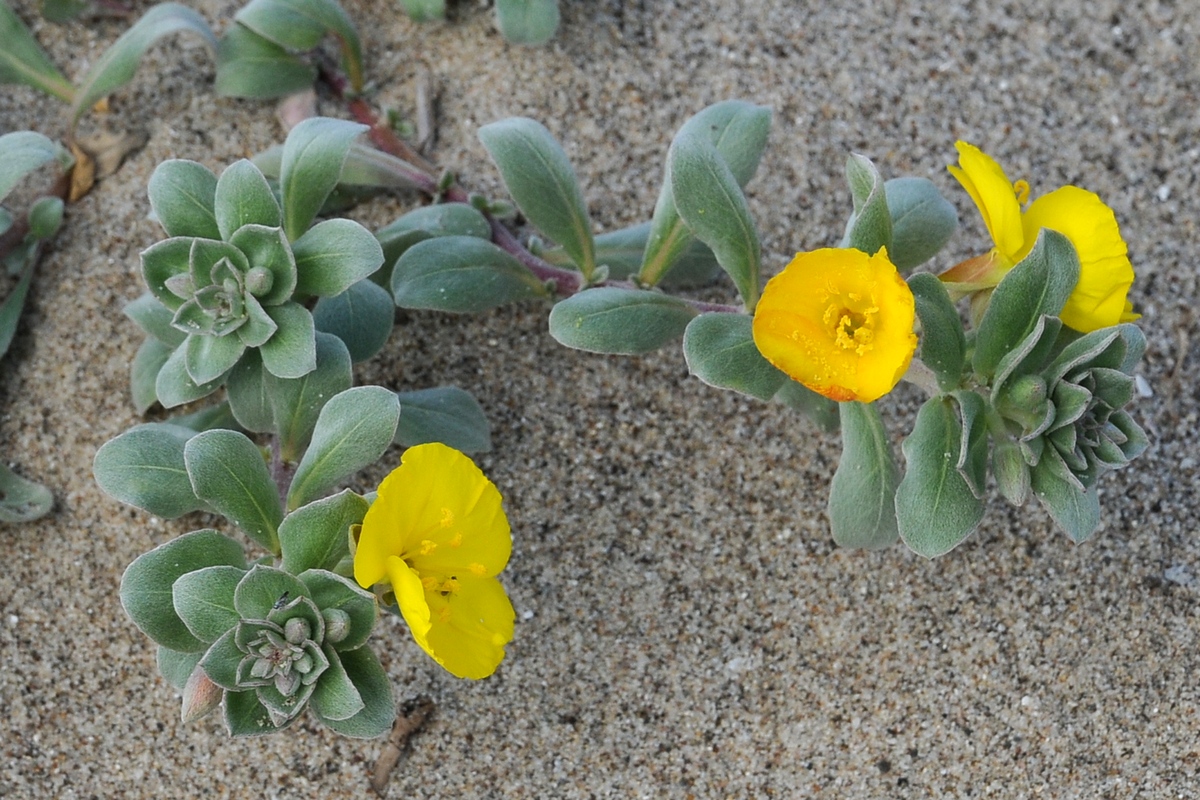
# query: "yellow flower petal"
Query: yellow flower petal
{"points": [[1105, 274], [438, 533], [995, 196], [840, 322]]}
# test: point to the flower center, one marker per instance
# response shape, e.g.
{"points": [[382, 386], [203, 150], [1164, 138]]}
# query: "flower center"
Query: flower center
{"points": [[852, 329]]}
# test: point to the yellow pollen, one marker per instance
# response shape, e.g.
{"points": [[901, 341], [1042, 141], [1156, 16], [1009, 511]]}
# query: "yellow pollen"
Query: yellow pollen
{"points": [[444, 614], [449, 586], [477, 569], [1021, 187], [455, 540], [852, 330], [429, 583], [447, 518], [428, 546]]}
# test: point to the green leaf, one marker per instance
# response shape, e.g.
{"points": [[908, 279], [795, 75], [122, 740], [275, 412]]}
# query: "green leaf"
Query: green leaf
{"points": [[445, 414], [362, 317], [149, 361], [246, 716], [943, 342], [208, 419], [228, 471], [313, 155], [207, 358], [22, 152], [424, 10], [720, 351], [248, 397], [243, 197], [297, 402], [922, 221], [117, 65], [334, 255], [145, 467], [335, 697], [250, 66], [710, 202], [331, 591], [531, 22], [1075, 510], [260, 246], [973, 447], [870, 226], [203, 599], [739, 132], [220, 662], [541, 181], [862, 495], [22, 500], [619, 321], [291, 352], [821, 410], [372, 683], [427, 222], [301, 24], [155, 319], [45, 217], [935, 506], [175, 666], [183, 197], [462, 274], [146, 592], [262, 589], [316, 536], [1040, 284], [353, 430], [622, 251], [1011, 471], [22, 60], [175, 387], [10, 310], [60, 11]]}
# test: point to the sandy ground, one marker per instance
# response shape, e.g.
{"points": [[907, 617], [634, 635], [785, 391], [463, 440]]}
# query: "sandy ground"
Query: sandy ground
{"points": [[685, 626]]}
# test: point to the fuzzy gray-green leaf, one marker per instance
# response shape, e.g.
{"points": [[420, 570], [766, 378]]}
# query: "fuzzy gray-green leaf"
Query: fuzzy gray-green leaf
{"points": [[710, 202], [117, 65], [22, 60], [373, 686], [335, 697], [720, 351], [362, 317], [870, 226], [22, 152], [183, 197], [145, 467], [353, 430], [143, 374], [291, 352], [445, 414], [22, 500], [300, 25], [228, 471], [316, 536], [334, 255], [174, 386], [176, 667], [296, 403], [619, 321], [530, 22], [313, 155], [943, 342], [262, 589], [1074, 509], [862, 510], [146, 592], [331, 591], [461, 274], [424, 10], [922, 221], [541, 181], [203, 599], [973, 447], [250, 66], [1040, 284], [935, 507], [244, 197]]}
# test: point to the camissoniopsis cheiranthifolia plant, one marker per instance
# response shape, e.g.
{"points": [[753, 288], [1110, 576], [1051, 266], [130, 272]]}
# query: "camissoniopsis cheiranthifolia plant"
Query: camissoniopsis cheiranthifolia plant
{"points": [[228, 308], [1033, 391]]}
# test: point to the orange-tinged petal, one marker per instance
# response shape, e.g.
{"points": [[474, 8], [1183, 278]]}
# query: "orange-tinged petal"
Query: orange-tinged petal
{"points": [[995, 197], [1105, 273], [840, 322]]}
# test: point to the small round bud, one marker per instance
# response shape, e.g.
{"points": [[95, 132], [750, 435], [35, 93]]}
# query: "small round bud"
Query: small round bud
{"points": [[297, 630], [303, 664], [337, 624], [259, 281]]}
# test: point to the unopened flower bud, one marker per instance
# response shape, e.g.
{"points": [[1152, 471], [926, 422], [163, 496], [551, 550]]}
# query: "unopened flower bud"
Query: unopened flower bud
{"points": [[259, 281], [200, 696], [337, 624], [297, 630]]}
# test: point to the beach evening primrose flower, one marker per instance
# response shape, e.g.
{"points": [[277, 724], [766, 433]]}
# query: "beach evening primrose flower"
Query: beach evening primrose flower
{"points": [[1105, 273], [438, 534], [840, 322]]}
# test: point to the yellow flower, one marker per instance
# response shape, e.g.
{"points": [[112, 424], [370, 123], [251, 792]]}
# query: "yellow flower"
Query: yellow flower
{"points": [[840, 322], [438, 534], [1105, 274]]}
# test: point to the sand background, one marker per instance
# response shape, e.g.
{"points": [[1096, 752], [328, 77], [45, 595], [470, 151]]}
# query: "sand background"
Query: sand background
{"points": [[685, 626]]}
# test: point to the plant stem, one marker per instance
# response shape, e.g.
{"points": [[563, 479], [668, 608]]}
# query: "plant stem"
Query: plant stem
{"points": [[422, 175]]}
